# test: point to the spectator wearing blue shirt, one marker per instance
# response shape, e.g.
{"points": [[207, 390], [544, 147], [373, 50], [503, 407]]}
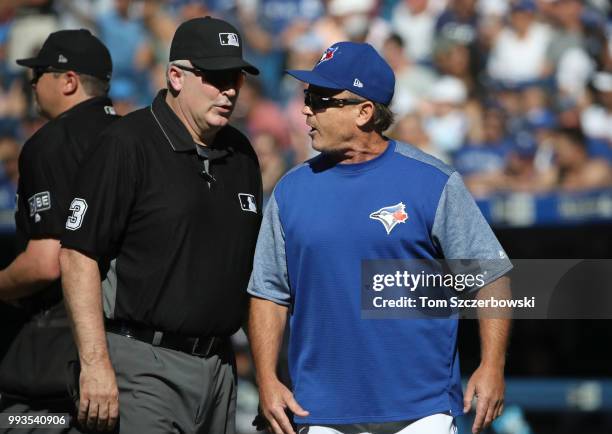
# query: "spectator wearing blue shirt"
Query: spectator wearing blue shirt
{"points": [[270, 28], [488, 156], [126, 39]]}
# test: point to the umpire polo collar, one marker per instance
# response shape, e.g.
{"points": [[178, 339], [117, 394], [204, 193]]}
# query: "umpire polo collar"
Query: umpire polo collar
{"points": [[176, 133], [95, 101]]}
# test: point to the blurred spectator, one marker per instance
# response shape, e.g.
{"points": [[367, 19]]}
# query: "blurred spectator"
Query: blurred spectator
{"points": [[577, 171], [304, 54], [519, 51], [269, 28], [534, 100], [522, 173], [577, 26], [415, 22], [9, 156], [573, 73], [123, 32], [509, 98], [482, 162], [271, 161], [541, 126], [9, 174], [257, 114], [13, 102], [413, 82], [459, 22], [352, 20], [453, 57], [34, 20], [409, 129], [446, 123], [596, 119], [80, 14]]}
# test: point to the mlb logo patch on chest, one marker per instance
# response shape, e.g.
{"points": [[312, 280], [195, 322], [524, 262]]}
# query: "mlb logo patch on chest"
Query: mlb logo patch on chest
{"points": [[247, 202], [391, 216]]}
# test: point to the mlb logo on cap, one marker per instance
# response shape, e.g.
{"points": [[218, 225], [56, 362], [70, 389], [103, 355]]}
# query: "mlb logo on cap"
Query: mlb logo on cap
{"points": [[229, 39]]}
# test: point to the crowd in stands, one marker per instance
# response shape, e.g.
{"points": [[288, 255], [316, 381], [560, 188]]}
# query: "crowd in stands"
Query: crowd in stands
{"points": [[516, 94]]}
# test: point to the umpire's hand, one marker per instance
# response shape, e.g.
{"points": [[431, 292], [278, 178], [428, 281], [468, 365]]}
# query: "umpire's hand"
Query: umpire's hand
{"points": [[274, 399], [99, 396]]}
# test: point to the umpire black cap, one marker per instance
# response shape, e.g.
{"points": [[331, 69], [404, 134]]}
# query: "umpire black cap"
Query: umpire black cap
{"points": [[209, 44], [73, 50]]}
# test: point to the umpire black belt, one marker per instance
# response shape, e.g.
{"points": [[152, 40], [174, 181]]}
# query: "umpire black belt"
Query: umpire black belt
{"points": [[196, 346]]}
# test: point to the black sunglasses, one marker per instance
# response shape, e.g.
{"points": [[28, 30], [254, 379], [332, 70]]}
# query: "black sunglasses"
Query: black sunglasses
{"points": [[39, 71], [319, 102], [219, 79]]}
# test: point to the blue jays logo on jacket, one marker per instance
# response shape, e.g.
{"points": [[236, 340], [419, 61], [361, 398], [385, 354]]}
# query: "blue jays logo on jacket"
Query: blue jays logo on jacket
{"points": [[390, 216]]}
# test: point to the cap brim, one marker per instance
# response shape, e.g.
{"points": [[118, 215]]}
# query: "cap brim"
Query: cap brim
{"points": [[31, 62], [221, 63], [313, 78]]}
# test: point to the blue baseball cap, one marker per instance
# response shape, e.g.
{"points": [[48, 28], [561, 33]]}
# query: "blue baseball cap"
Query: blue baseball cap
{"points": [[352, 66]]}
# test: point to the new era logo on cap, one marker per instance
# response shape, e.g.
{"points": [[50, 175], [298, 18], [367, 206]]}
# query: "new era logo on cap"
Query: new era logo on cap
{"points": [[229, 39], [62, 59], [357, 83]]}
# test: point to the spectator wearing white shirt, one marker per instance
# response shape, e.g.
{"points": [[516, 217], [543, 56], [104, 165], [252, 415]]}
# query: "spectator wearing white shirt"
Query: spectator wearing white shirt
{"points": [[447, 123], [519, 51], [415, 22], [413, 82], [596, 119]]}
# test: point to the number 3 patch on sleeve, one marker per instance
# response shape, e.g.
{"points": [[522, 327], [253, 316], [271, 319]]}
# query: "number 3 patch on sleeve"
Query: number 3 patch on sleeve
{"points": [[78, 207]]}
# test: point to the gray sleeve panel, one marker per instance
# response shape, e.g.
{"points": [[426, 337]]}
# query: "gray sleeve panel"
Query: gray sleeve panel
{"points": [[269, 278], [462, 232], [413, 152]]}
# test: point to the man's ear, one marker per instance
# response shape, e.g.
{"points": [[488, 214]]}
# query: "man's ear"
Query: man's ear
{"points": [[366, 113], [175, 78], [70, 83]]}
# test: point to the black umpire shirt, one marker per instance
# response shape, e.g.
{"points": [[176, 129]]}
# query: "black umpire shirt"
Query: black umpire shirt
{"points": [[174, 227], [48, 165]]}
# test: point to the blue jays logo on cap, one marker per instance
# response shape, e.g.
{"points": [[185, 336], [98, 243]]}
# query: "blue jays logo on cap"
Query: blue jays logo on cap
{"points": [[390, 216], [328, 54]]}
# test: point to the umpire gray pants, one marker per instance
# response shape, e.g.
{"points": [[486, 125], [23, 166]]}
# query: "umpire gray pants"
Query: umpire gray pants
{"points": [[167, 391]]}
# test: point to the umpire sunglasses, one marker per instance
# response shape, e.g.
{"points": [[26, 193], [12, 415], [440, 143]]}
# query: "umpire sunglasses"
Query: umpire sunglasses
{"points": [[320, 102], [39, 71], [220, 79]]}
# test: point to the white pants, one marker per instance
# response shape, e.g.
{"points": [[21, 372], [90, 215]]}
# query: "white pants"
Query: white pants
{"points": [[434, 424]]}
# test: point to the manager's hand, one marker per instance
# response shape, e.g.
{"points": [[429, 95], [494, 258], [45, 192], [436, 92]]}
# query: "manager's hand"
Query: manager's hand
{"points": [[487, 385], [99, 396], [274, 399]]}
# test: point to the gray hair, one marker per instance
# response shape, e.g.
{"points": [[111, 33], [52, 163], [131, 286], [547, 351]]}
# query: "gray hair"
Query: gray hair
{"points": [[179, 62]]}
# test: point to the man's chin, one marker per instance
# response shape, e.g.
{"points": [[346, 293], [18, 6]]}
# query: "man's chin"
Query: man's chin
{"points": [[219, 121]]}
